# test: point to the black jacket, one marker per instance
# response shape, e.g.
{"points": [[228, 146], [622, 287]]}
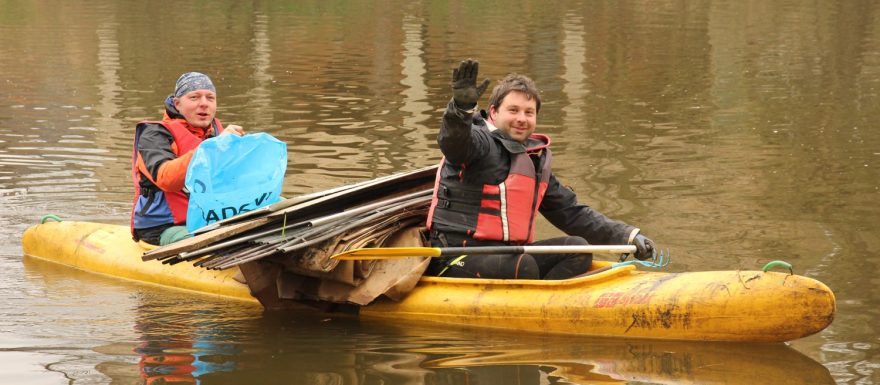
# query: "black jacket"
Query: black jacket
{"points": [[476, 155]]}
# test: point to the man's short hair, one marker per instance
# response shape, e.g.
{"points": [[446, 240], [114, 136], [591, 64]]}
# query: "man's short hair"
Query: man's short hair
{"points": [[515, 82]]}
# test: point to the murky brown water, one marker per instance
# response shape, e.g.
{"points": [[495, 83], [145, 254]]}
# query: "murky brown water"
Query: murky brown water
{"points": [[733, 133]]}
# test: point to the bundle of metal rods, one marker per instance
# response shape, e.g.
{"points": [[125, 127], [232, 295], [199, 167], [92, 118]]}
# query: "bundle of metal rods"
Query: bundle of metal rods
{"points": [[291, 226]]}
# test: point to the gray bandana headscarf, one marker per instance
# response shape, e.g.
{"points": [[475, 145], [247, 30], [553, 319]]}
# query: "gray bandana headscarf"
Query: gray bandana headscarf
{"points": [[192, 81]]}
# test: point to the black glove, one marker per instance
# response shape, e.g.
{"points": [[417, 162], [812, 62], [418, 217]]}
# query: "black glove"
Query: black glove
{"points": [[465, 92], [644, 247]]}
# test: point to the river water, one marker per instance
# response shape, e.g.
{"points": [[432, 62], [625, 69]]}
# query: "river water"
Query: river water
{"points": [[732, 133]]}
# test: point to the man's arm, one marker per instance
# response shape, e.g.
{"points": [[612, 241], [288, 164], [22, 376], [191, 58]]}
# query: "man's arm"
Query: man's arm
{"points": [[456, 140], [161, 165], [561, 208]]}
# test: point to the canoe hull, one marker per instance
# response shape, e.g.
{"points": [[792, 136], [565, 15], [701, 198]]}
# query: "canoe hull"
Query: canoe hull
{"points": [[713, 306], [750, 306], [109, 250]]}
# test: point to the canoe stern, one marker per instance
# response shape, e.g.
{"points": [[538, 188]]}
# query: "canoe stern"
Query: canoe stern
{"points": [[713, 306]]}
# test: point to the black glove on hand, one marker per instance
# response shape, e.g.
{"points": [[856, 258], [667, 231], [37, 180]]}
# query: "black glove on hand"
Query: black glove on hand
{"points": [[465, 92], [644, 247]]}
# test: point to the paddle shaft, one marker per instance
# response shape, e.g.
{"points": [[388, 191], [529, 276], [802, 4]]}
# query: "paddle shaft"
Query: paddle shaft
{"points": [[406, 252], [484, 250]]}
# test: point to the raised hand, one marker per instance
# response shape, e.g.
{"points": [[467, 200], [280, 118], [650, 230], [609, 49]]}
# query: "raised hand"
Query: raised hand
{"points": [[465, 91]]}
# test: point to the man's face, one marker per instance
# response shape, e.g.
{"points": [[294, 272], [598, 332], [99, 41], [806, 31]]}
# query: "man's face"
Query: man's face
{"points": [[197, 107], [517, 115]]}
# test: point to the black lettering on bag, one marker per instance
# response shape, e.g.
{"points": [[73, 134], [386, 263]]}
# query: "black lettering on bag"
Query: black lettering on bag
{"points": [[262, 198], [231, 211]]}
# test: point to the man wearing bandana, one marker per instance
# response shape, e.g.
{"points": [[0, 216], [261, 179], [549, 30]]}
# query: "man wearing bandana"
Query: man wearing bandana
{"points": [[162, 152]]}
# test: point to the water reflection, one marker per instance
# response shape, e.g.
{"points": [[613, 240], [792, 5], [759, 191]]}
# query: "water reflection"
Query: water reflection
{"points": [[276, 350], [614, 361], [259, 98], [574, 57], [179, 358], [109, 85], [415, 96]]}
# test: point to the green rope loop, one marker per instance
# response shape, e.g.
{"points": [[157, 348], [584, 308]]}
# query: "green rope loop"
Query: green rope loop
{"points": [[778, 263], [49, 216]]}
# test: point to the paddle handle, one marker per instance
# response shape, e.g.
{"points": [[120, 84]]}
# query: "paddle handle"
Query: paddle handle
{"points": [[585, 249]]}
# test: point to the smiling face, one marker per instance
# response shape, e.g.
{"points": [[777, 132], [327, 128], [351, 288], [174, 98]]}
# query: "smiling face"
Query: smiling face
{"points": [[197, 107], [517, 115]]}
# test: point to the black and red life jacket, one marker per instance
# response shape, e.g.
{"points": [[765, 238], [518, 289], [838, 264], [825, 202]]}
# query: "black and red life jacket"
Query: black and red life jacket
{"points": [[504, 211]]}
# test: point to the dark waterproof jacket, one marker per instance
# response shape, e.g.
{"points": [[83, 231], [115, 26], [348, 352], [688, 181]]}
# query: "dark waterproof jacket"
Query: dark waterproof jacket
{"points": [[476, 156]]}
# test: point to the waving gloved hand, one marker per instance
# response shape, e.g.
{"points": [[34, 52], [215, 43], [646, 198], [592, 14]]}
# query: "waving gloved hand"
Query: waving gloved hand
{"points": [[644, 247], [465, 91]]}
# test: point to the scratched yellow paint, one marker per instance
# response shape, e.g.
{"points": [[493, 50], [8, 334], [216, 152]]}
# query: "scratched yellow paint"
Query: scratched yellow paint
{"points": [[623, 302]]}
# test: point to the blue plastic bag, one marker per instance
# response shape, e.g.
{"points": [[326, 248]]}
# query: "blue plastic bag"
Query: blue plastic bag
{"points": [[231, 174]]}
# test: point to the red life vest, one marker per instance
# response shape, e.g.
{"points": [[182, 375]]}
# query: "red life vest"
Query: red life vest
{"points": [[501, 212], [175, 201]]}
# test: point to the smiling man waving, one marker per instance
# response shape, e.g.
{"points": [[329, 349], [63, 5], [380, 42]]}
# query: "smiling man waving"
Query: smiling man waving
{"points": [[494, 180]]}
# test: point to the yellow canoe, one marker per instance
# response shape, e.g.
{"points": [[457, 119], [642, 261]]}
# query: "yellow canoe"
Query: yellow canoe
{"points": [[752, 306]]}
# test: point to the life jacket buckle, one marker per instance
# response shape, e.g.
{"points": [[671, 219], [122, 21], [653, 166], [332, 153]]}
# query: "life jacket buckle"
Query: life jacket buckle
{"points": [[150, 193]]}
